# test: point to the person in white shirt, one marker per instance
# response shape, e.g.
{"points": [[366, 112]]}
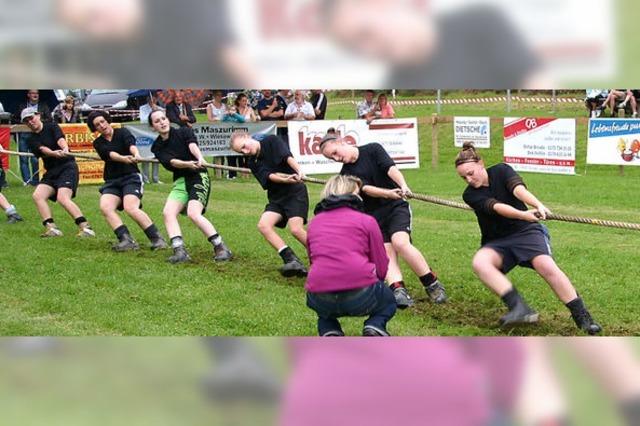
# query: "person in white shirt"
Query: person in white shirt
{"points": [[299, 109], [365, 109], [144, 112]]}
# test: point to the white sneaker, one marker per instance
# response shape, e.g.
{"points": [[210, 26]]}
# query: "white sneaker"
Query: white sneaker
{"points": [[52, 231], [86, 231]]}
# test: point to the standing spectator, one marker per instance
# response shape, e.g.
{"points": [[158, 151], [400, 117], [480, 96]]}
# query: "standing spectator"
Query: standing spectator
{"points": [[67, 111], [319, 103], [29, 167], [216, 110], [299, 109], [244, 110], [384, 108], [286, 95], [365, 109], [144, 112], [348, 262], [595, 101], [271, 107], [179, 111]]}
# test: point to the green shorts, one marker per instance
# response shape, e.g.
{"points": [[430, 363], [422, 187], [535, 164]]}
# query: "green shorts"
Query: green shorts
{"points": [[195, 187]]}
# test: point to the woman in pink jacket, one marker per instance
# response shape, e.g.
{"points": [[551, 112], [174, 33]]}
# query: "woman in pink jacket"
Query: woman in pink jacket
{"points": [[348, 262]]}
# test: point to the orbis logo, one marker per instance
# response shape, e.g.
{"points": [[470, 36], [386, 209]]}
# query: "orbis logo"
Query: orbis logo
{"points": [[309, 141]]}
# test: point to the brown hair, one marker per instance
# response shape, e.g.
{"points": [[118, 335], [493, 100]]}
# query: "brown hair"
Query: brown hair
{"points": [[468, 154]]}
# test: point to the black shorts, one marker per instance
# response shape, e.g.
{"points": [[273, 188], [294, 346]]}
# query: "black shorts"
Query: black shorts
{"points": [[131, 184], [393, 218], [292, 203], [518, 249], [3, 179], [65, 176]]}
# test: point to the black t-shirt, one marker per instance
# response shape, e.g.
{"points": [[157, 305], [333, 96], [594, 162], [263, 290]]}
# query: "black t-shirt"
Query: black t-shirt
{"points": [[120, 143], [372, 167], [477, 48], [266, 103], [502, 181], [176, 147], [272, 158], [323, 105], [48, 137]]}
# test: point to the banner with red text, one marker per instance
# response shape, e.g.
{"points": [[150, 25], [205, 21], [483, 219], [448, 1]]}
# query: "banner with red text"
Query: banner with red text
{"points": [[541, 145], [399, 137], [80, 139]]}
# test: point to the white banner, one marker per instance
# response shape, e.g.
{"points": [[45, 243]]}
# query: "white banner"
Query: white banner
{"points": [[213, 139], [542, 145], [472, 129], [614, 141], [399, 137]]}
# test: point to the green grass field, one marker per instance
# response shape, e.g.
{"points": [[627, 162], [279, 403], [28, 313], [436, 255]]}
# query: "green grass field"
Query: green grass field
{"points": [[68, 286]]}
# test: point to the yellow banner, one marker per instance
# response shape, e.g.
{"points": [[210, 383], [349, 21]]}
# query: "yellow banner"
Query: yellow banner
{"points": [[80, 139]]}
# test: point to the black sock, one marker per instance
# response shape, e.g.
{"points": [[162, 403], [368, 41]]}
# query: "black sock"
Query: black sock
{"points": [[47, 221], [80, 219], [215, 239], [152, 232], [576, 306], [512, 298], [396, 284], [177, 242], [428, 279], [121, 231], [286, 254]]}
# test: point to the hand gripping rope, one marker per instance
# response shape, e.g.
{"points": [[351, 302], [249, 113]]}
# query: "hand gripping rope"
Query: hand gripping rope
{"points": [[421, 197]]}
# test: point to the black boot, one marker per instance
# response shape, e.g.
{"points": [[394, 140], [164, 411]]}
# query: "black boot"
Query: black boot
{"points": [[125, 244], [180, 255], [293, 266], [519, 311], [582, 317]]}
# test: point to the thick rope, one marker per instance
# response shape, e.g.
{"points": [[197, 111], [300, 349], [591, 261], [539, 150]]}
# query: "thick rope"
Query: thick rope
{"points": [[421, 197]]}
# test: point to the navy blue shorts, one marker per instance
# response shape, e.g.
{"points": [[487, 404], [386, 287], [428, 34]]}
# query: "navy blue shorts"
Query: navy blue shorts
{"points": [[519, 249]]}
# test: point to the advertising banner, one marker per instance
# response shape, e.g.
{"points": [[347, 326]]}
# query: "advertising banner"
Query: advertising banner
{"points": [[472, 129], [614, 141], [541, 145], [399, 137]]}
